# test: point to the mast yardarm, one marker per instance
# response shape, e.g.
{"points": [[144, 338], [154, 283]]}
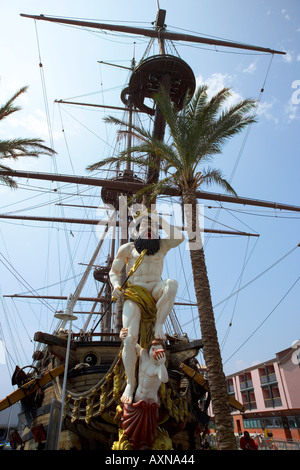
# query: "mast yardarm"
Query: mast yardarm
{"points": [[154, 33]]}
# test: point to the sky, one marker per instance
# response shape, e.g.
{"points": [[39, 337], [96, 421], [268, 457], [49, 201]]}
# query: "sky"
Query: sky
{"points": [[262, 163]]}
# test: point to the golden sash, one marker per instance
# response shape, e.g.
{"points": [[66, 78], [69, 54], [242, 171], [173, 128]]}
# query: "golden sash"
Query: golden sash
{"points": [[147, 304]]}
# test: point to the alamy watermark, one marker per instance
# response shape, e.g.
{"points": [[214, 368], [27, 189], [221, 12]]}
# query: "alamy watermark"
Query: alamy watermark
{"points": [[134, 221], [296, 353], [296, 93]]}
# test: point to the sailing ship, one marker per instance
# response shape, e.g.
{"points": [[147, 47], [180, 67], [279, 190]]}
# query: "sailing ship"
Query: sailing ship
{"points": [[84, 370]]}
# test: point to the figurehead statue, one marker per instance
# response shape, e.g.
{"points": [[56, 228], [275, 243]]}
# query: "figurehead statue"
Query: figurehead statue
{"points": [[148, 299]]}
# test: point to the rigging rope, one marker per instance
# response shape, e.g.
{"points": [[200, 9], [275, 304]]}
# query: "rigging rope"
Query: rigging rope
{"points": [[11, 335], [257, 277], [20, 278], [237, 280], [236, 299], [43, 81], [253, 280], [245, 137], [256, 329]]}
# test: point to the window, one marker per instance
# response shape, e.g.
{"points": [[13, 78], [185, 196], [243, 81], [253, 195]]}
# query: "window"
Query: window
{"points": [[248, 399], [294, 422], [230, 386], [276, 422], [252, 424], [271, 396], [245, 380], [267, 374]]}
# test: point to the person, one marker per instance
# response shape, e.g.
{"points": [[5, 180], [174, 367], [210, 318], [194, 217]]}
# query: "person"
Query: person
{"points": [[148, 297], [152, 370], [247, 443], [140, 418]]}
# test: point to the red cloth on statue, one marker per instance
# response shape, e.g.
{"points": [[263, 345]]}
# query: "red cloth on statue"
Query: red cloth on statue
{"points": [[139, 422]]}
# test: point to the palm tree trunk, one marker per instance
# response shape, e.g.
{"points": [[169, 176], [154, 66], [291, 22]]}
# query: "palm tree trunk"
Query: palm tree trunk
{"points": [[211, 350]]}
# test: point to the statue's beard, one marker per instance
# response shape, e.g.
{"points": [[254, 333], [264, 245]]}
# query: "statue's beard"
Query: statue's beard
{"points": [[152, 245]]}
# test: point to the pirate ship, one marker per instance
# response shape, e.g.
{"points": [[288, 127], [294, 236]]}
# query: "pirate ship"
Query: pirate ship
{"points": [[71, 393]]}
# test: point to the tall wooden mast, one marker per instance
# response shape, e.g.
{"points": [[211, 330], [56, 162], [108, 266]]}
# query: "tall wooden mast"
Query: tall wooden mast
{"points": [[150, 76]]}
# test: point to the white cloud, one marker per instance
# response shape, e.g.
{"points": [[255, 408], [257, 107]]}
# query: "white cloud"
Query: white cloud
{"points": [[217, 82], [251, 68], [288, 57], [285, 14], [33, 125], [264, 109], [292, 111], [9, 87]]}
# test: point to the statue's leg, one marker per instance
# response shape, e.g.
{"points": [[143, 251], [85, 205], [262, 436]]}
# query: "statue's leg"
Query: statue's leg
{"points": [[131, 321], [164, 293]]}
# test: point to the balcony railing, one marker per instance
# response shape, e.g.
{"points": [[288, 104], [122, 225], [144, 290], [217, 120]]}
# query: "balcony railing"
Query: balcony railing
{"points": [[266, 379], [250, 405], [272, 402], [248, 384]]}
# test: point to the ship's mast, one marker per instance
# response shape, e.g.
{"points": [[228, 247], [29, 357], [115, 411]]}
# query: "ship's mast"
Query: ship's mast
{"points": [[160, 71], [165, 82], [153, 74]]}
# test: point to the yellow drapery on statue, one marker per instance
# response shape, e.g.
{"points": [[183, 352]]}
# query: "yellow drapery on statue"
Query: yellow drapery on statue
{"points": [[143, 298]]}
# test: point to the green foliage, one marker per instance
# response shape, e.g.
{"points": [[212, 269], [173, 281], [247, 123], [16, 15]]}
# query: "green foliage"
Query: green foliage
{"points": [[18, 147], [198, 133]]}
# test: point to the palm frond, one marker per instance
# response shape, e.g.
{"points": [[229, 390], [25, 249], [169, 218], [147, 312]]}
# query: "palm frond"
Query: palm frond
{"points": [[151, 191], [7, 180], [9, 108], [167, 109], [214, 176], [15, 148], [198, 132], [139, 131], [140, 161]]}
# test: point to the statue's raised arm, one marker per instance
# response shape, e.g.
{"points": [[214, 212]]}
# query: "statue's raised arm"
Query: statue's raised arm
{"points": [[148, 299]]}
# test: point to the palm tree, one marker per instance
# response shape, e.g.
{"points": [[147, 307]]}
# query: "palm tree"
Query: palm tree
{"points": [[16, 148], [198, 133]]}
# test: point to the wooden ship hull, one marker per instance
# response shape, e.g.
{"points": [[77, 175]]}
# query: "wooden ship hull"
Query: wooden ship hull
{"points": [[95, 382]]}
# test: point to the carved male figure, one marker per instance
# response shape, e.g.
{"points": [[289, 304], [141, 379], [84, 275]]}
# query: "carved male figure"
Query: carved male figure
{"points": [[152, 370], [140, 418], [148, 277]]}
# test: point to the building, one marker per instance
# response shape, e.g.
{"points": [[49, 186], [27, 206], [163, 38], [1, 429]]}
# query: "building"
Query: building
{"points": [[270, 391]]}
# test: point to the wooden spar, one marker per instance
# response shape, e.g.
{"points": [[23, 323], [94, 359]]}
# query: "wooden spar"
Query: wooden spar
{"points": [[98, 106], [135, 187], [116, 223], [58, 297], [83, 299], [154, 33], [114, 65], [200, 379], [30, 387]]}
